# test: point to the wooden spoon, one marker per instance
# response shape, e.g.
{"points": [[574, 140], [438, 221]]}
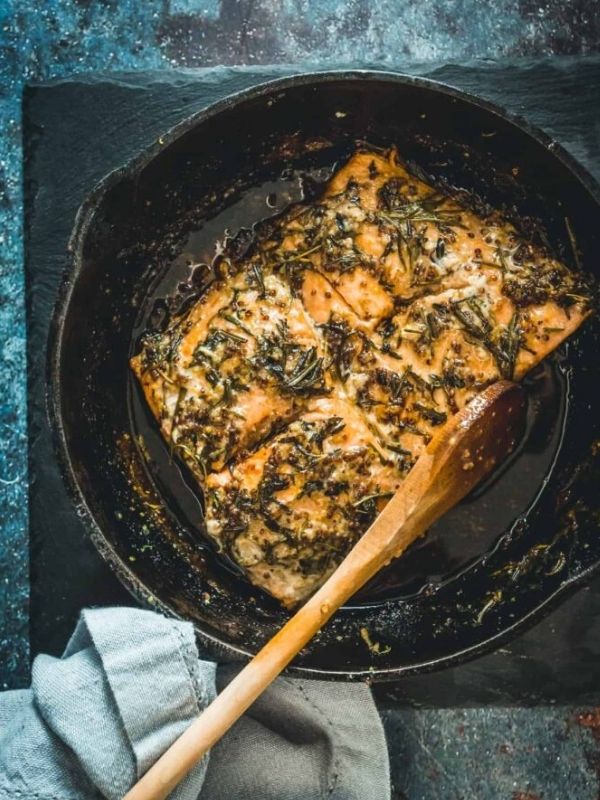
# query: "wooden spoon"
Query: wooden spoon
{"points": [[474, 441]]}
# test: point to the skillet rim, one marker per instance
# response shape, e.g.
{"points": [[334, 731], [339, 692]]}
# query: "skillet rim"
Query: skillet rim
{"points": [[53, 394]]}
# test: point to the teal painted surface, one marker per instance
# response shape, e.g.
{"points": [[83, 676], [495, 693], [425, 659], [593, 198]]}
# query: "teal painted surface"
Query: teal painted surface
{"points": [[548, 754], [500, 754]]}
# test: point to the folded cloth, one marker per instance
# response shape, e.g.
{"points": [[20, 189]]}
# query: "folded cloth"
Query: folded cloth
{"points": [[130, 681]]}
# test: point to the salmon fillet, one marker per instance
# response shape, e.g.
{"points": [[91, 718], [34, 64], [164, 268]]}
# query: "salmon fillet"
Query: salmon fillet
{"points": [[304, 384]]}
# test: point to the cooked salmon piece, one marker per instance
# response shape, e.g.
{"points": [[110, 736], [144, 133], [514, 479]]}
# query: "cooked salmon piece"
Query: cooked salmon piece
{"points": [[304, 384], [241, 363], [291, 510]]}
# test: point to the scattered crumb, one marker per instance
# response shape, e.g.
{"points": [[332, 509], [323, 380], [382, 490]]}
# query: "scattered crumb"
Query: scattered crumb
{"points": [[374, 647], [591, 721]]}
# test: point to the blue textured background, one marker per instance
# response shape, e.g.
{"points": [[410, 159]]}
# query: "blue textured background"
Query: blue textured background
{"points": [[519, 754]]}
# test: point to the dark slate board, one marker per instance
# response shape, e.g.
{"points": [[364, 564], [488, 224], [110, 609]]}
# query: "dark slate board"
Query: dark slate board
{"points": [[75, 132]]}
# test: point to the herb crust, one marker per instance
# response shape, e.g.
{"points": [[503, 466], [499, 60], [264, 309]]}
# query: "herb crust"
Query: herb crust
{"points": [[302, 387]]}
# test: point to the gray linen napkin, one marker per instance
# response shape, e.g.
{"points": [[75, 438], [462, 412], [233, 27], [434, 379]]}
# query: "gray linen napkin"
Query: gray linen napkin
{"points": [[129, 683]]}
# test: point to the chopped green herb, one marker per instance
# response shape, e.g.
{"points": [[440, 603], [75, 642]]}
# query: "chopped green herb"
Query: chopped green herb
{"points": [[259, 278], [307, 373], [376, 496], [509, 345], [175, 418], [573, 242], [237, 322], [430, 414]]}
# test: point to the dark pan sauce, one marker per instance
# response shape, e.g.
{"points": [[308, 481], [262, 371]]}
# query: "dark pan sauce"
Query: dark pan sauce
{"points": [[465, 534]]}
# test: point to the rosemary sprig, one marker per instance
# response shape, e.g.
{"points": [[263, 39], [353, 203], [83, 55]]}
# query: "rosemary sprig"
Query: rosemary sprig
{"points": [[298, 370], [367, 505], [374, 496], [237, 322], [174, 419], [510, 343], [302, 256], [193, 457], [414, 213], [329, 428], [207, 349], [270, 507], [307, 372], [573, 242], [259, 278], [340, 339], [232, 337], [504, 345], [431, 414]]}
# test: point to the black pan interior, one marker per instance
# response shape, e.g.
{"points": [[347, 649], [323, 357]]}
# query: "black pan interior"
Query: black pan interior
{"points": [[139, 250]]}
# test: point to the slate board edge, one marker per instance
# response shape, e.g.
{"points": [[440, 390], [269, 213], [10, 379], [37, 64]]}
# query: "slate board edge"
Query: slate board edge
{"points": [[216, 76]]}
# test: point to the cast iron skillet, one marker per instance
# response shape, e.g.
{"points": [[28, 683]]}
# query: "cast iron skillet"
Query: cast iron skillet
{"points": [[492, 565]]}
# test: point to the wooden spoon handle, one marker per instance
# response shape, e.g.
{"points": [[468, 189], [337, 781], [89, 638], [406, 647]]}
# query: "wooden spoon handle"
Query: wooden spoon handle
{"points": [[356, 569], [453, 463]]}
